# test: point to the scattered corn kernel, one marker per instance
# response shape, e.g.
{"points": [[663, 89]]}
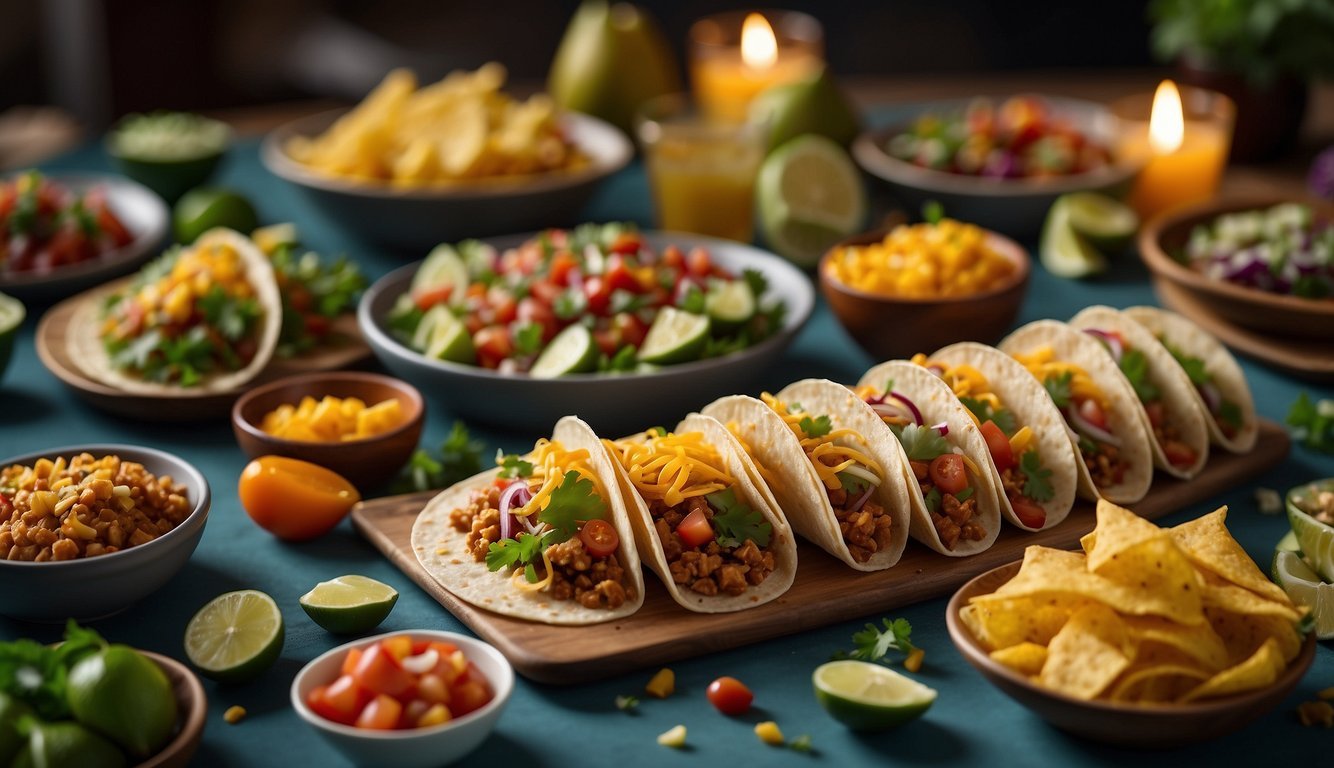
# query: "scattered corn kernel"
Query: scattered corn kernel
{"points": [[675, 737], [438, 714], [769, 733], [948, 258], [662, 685], [914, 661], [1325, 695], [1319, 713], [332, 419], [234, 715]]}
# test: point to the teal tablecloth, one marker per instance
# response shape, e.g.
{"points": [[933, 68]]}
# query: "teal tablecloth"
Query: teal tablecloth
{"points": [[972, 723]]}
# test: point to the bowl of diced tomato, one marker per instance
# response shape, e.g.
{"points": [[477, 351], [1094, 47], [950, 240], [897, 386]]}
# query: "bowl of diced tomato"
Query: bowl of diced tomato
{"points": [[415, 698]]}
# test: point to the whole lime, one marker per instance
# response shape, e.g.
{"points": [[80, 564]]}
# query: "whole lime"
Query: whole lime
{"points": [[121, 694], [204, 208], [66, 744], [11, 741]]}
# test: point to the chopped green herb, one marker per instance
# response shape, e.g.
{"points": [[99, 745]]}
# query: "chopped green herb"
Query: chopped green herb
{"points": [[513, 465], [921, 443], [1059, 388], [964, 495], [932, 500], [854, 485], [512, 553], [1313, 422], [627, 703], [574, 501], [872, 644], [1135, 365], [818, 426], [735, 522], [1002, 417], [801, 744], [1037, 482], [528, 338]]}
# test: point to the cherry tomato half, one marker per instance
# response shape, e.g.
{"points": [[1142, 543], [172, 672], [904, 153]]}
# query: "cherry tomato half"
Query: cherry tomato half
{"points": [[695, 530], [999, 446], [730, 696], [293, 499], [1029, 514], [948, 474], [599, 538], [1178, 454]]}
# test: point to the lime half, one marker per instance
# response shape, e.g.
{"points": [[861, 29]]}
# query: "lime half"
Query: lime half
{"points": [[443, 268], [1314, 539], [11, 317], [572, 351], [810, 196], [1105, 222], [349, 604], [867, 697], [204, 208], [236, 636], [1065, 252], [1288, 543], [442, 336], [730, 303], [676, 336], [1304, 586]]}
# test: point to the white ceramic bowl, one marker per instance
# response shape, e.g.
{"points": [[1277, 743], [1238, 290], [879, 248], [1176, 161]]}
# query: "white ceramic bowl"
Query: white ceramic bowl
{"points": [[417, 748]]}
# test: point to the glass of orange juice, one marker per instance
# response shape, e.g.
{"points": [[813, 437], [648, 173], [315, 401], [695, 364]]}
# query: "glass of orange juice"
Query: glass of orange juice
{"points": [[701, 170]]}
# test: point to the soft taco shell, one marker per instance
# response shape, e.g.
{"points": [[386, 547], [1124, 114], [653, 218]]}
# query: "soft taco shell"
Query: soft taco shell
{"points": [[795, 484], [88, 352], [1178, 394], [1191, 339], [739, 466], [443, 552], [938, 404], [1086, 352], [1028, 401]]}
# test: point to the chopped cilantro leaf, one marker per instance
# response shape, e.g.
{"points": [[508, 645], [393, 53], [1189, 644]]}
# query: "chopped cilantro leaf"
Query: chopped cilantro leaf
{"points": [[527, 338], [1037, 483], [575, 500], [932, 500], [922, 443], [627, 703], [460, 457], [872, 644], [511, 553], [569, 304], [1313, 422], [818, 426], [757, 281], [624, 361], [964, 495], [692, 300], [852, 484], [512, 465], [1002, 417], [1059, 388], [1135, 365], [1193, 366], [735, 522], [801, 744], [1230, 414]]}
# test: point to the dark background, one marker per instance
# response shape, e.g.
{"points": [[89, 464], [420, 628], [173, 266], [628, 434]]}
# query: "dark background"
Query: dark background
{"points": [[99, 59]]}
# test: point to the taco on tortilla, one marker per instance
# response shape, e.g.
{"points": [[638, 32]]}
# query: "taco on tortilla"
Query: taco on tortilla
{"points": [[1098, 403], [201, 317], [714, 538], [1172, 413], [1036, 468], [543, 537], [1215, 377], [952, 487], [814, 446]]}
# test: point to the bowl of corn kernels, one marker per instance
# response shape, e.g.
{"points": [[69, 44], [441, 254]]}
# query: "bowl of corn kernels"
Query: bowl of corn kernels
{"points": [[918, 287]]}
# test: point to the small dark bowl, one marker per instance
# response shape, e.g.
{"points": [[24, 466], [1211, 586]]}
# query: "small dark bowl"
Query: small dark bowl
{"points": [[1148, 726], [192, 711], [169, 178], [893, 327], [367, 463]]}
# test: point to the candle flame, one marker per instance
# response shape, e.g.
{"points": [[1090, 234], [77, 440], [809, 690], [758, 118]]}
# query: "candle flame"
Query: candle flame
{"points": [[759, 47], [1167, 124]]}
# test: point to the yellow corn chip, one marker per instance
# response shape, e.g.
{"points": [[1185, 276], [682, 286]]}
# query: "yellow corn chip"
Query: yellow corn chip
{"points": [[1087, 654], [1261, 669], [1221, 594], [1156, 682], [1025, 658], [1197, 642], [1210, 546], [1243, 634], [1004, 623], [1117, 530]]}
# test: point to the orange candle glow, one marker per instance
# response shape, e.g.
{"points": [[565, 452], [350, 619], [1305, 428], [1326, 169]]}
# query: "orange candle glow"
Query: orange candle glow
{"points": [[1186, 152], [733, 60]]}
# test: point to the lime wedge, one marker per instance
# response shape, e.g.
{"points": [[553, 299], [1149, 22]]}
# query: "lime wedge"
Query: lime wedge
{"points": [[204, 208], [442, 268], [236, 636], [1302, 584], [676, 336], [1314, 538], [866, 696], [1288, 543], [571, 351], [442, 336], [1105, 222], [810, 196], [271, 238], [730, 303], [349, 604], [1063, 251], [11, 317]]}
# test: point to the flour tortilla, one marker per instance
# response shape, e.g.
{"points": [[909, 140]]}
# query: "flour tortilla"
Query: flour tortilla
{"points": [[739, 466], [1023, 396], [797, 487], [1183, 334], [443, 552], [1080, 349], [938, 404], [85, 341], [1180, 401]]}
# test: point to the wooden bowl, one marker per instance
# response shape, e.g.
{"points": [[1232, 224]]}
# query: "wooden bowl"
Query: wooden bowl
{"points": [[367, 463], [1287, 316], [891, 327], [192, 705], [1150, 726]]}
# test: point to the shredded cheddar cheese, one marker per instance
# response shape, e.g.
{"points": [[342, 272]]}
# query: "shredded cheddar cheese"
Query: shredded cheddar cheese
{"points": [[827, 456], [965, 380], [1042, 363], [741, 435], [673, 467]]}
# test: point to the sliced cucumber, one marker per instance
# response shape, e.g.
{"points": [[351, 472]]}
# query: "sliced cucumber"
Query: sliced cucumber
{"points": [[442, 336], [443, 267], [571, 351], [730, 303], [676, 336]]}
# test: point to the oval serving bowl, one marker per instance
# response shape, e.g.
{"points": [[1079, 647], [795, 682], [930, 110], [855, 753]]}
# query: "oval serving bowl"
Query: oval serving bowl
{"points": [[1152, 726], [419, 217], [1272, 313], [95, 587], [192, 708], [143, 214], [610, 402], [1016, 207]]}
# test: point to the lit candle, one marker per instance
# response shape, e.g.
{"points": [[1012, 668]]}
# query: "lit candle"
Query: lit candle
{"points": [[733, 60], [1186, 152]]}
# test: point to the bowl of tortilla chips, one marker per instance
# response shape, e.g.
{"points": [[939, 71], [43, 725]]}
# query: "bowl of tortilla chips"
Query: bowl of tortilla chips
{"points": [[1149, 637]]}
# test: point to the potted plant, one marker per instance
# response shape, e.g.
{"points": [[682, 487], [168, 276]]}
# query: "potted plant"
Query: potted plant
{"points": [[1261, 53]]}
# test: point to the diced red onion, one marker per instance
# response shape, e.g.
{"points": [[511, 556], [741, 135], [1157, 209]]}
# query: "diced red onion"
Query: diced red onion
{"points": [[875, 399], [937, 370], [1213, 399], [1113, 343], [943, 428], [862, 499], [889, 410], [916, 414], [574, 278], [1089, 429], [514, 496]]}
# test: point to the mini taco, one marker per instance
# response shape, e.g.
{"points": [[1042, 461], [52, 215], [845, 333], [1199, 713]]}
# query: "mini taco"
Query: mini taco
{"points": [[1215, 378], [700, 522], [952, 488], [1036, 469], [201, 317], [1098, 404], [543, 537], [1175, 419], [814, 446]]}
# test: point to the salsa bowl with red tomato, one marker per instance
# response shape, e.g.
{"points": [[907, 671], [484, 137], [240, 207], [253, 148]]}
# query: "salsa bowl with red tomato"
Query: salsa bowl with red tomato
{"points": [[419, 697]]}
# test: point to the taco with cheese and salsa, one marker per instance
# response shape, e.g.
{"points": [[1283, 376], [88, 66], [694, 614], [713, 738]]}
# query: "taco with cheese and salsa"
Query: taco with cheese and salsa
{"points": [[715, 539], [544, 536], [1099, 406], [814, 446]]}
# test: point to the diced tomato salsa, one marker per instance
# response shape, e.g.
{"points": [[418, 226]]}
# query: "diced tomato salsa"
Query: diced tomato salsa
{"points": [[44, 226]]}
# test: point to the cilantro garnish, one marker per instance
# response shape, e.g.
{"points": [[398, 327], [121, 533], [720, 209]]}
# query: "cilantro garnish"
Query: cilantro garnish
{"points": [[1313, 422], [527, 338], [692, 300], [1059, 388], [735, 522], [964, 495], [1135, 366], [624, 361], [513, 465], [921, 443], [1002, 417], [872, 644], [512, 553], [627, 703], [932, 499], [1193, 366], [852, 484], [569, 304], [37, 674], [575, 500], [801, 744], [1037, 483], [818, 426], [1230, 414], [756, 280], [460, 457]]}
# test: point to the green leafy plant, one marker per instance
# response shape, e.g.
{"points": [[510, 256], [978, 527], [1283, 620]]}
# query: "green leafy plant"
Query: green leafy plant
{"points": [[1261, 39]]}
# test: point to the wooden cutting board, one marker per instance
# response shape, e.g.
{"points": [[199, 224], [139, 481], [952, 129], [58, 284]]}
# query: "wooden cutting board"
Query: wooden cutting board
{"points": [[825, 591]]}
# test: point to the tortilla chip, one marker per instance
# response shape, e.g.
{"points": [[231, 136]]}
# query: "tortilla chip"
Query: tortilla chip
{"points": [[1118, 529], [1218, 593], [1198, 642], [1158, 574], [1243, 634], [1209, 544], [1004, 623], [1087, 654], [1156, 682], [1025, 658], [1261, 669]]}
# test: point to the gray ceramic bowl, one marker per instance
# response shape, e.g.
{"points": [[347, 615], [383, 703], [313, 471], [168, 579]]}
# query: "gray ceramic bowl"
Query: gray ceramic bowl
{"points": [[612, 403], [1015, 207], [100, 586], [421, 217]]}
